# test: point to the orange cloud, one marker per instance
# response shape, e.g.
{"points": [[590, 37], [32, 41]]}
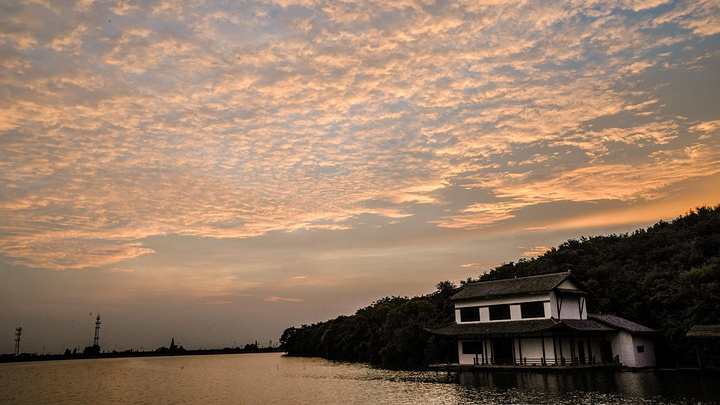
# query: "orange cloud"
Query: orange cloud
{"points": [[535, 251], [276, 299], [224, 128]]}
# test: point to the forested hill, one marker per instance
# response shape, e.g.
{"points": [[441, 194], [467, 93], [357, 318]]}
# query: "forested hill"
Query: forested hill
{"points": [[666, 277]]}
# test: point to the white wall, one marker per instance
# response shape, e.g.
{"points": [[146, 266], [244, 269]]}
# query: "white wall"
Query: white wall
{"points": [[531, 350], [622, 345], [646, 359], [484, 314], [548, 309], [626, 345], [569, 306], [515, 313], [470, 358], [567, 284], [466, 358]]}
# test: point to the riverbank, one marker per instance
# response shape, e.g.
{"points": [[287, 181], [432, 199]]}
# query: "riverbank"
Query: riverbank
{"points": [[8, 358]]}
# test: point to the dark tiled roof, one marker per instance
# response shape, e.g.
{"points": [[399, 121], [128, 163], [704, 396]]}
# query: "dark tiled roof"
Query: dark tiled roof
{"points": [[519, 327], [704, 331], [586, 325], [495, 328], [621, 323], [513, 286]]}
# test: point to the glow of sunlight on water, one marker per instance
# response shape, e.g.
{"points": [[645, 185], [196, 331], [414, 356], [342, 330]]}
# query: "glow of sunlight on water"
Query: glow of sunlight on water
{"points": [[275, 379]]}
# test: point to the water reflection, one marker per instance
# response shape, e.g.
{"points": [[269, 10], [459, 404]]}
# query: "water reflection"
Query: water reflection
{"points": [[665, 387], [270, 378]]}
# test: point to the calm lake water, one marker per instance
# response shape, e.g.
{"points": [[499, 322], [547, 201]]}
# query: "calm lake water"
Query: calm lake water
{"points": [[270, 378]]}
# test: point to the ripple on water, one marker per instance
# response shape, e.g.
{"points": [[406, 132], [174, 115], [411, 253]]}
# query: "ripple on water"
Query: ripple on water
{"points": [[273, 379]]}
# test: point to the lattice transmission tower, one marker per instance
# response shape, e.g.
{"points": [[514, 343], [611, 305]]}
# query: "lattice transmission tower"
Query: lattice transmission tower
{"points": [[97, 331], [18, 332]]}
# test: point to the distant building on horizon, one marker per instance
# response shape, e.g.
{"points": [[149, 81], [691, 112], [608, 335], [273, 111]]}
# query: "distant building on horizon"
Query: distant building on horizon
{"points": [[542, 320]]}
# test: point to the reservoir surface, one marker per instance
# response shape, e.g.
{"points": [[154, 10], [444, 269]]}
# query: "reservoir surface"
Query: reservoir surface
{"points": [[270, 378]]}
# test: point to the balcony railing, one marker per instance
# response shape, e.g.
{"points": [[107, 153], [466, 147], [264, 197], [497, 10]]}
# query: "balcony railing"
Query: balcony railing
{"points": [[544, 361]]}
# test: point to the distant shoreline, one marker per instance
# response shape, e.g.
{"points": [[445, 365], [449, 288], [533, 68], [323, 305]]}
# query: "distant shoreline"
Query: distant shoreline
{"points": [[49, 357]]}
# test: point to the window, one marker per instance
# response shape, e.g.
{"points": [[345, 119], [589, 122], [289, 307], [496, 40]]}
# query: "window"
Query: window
{"points": [[471, 347], [532, 310], [471, 314], [641, 349], [499, 312]]}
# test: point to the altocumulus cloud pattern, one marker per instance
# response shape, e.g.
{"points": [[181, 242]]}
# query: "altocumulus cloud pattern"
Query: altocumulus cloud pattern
{"points": [[125, 120]]}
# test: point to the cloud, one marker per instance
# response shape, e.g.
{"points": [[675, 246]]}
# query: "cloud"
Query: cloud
{"points": [[84, 5], [71, 42], [233, 121], [708, 127], [120, 270], [535, 251], [481, 215], [58, 253], [701, 17], [276, 299], [622, 182]]}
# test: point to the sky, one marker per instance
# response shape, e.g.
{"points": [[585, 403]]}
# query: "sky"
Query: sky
{"points": [[218, 171]]}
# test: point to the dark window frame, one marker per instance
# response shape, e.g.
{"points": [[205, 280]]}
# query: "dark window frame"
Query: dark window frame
{"points": [[641, 349], [499, 312], [530, 310], [470, 314]]}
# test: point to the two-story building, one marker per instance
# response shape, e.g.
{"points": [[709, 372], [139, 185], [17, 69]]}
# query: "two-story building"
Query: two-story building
{"points": [[542, 320]]}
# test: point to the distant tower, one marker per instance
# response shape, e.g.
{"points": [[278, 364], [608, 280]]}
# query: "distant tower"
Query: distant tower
{"points": [[97, 331], [18, 332]]}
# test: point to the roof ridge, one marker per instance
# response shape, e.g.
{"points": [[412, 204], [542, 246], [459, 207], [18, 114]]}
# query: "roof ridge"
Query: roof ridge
{"points": [[518, 277]]}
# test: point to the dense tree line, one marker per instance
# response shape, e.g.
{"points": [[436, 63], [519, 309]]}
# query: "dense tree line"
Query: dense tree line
{"points": [[389, 333], [666, 277]]}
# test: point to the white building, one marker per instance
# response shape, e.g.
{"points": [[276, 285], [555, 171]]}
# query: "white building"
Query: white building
{"points": [[542, 320]]}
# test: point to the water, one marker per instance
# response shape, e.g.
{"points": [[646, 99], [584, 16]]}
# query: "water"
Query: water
{"points": [[270, 378]]}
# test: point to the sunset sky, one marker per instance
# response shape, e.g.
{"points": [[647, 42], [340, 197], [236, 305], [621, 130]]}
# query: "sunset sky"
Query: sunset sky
{"points": [[217, 172]]}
